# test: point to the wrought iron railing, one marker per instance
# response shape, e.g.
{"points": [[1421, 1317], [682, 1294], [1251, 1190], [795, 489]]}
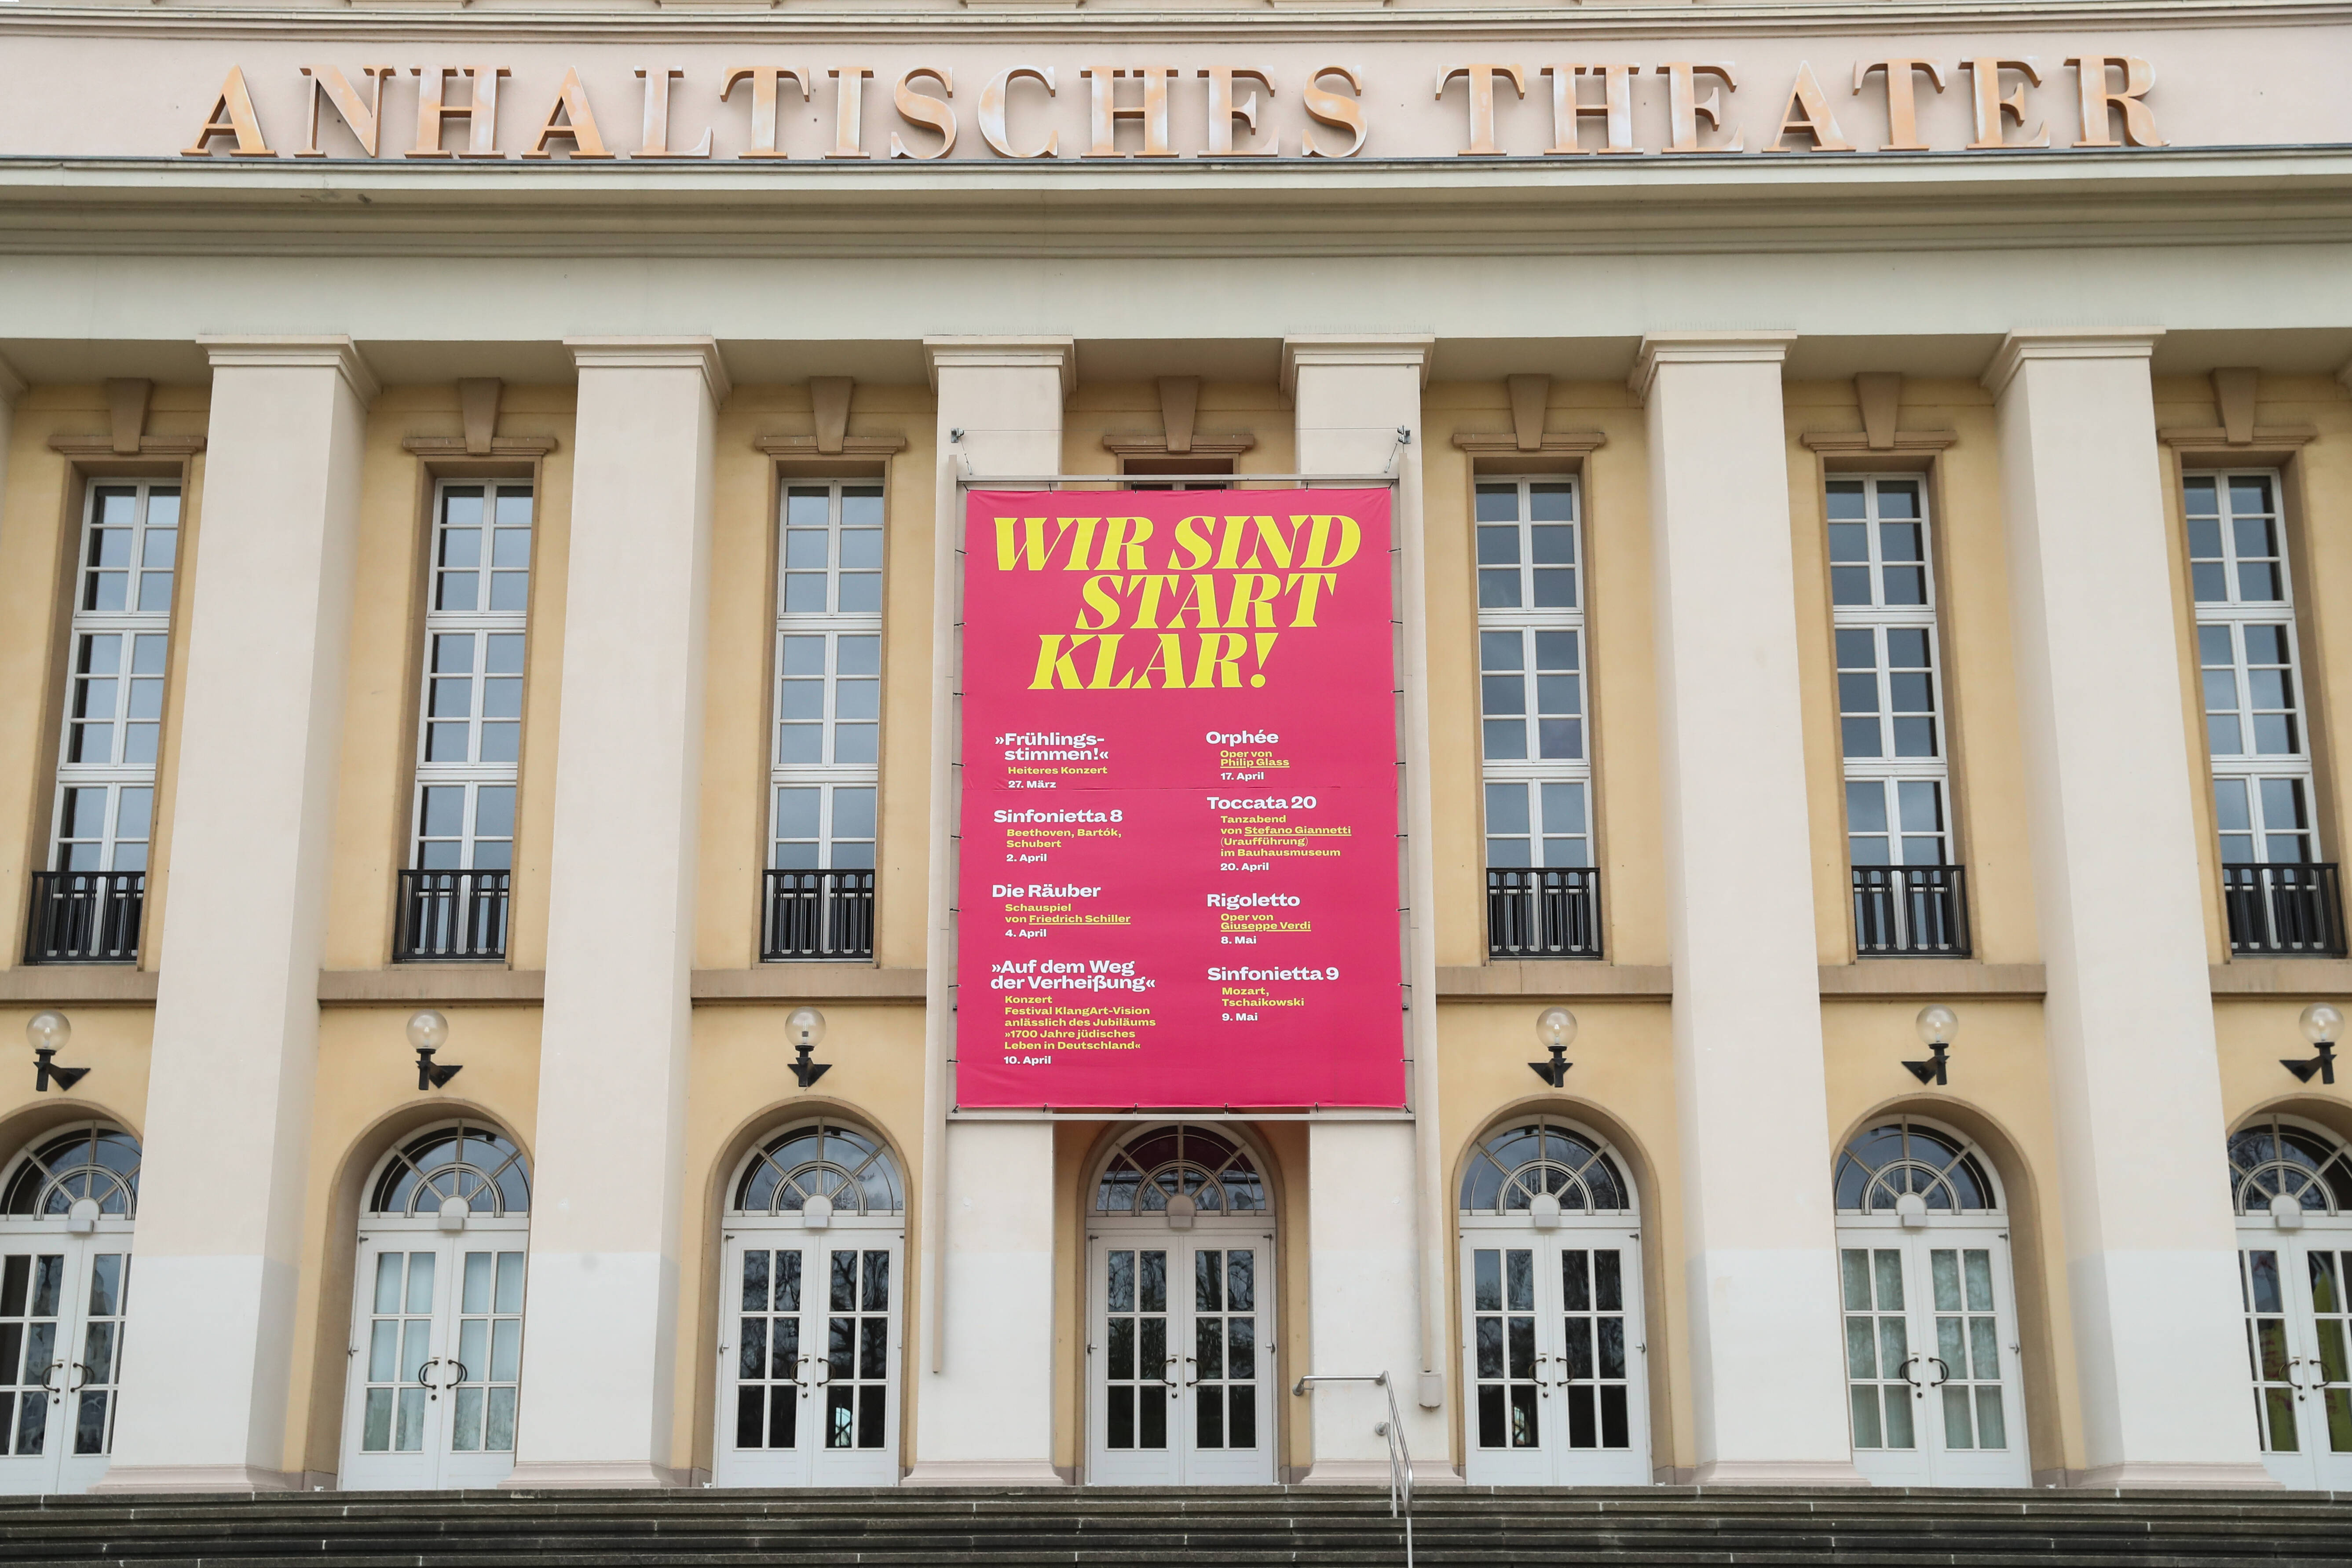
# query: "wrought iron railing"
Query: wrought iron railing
{"points": [[1545, 912], [1910, 911], [818, 915], [85, 917], [2286, 910], [451, 917]]}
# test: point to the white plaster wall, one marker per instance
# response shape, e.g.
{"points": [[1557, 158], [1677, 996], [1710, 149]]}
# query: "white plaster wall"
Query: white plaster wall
{"points": [[236, 1018], [1767, 1389]]}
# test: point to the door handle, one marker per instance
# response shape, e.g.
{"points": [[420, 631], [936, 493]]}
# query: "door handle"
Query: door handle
{"points": [[1191, 1361], [80, 1382], [50, 1372], [1918, 1389], [823, 1366]]}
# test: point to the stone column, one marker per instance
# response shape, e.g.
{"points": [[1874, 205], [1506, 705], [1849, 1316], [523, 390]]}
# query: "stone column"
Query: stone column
{"points": [[236, 1016], [983, 1405], [599, 1331], [2160, 1339], [1376, 1221], [1767, 1368]]}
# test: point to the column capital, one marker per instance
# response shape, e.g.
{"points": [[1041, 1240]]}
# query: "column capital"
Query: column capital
{"points": [[1360, 350], [2066, 343], [12, 385], [984, 352], [655, 354], [1761, 346], [268, 352]]}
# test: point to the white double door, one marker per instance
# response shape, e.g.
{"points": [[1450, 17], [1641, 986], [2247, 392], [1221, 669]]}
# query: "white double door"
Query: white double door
{"points": [[1555, 1356], [2297, 1292], [436, 1356], [812, 1340], [61, 1302], [1180, 1356], [1931, 1340]]}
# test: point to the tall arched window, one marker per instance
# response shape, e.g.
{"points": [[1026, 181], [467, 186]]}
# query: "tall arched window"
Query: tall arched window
{"points": [[98, 1162], [1898, 1157], [1146, 1171], [855, 1171], [2291, 1184], [2275, 1158], [1511, 1166], [476, 1164]]}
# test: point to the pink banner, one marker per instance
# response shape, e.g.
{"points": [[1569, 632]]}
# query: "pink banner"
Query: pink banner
{"points": [[1179, 851]]}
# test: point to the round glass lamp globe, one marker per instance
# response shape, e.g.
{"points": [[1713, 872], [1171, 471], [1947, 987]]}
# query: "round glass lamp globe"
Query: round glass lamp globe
{"points": [[1555, 1026], [806, 1026], [48, 1030], [2321, 1021], [1937, 1024], [428, 1030]]}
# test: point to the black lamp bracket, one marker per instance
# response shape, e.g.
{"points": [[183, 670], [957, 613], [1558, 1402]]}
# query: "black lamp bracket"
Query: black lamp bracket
{"points": [[46, 1071], [431, 1074], [805, 1070], [1933, 1069], [1555, 1071], [2323, 1065]]}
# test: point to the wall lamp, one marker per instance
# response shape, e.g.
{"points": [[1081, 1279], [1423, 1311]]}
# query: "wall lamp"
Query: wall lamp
{"points": [[805, 1028], [1936, 1024], [1555, 1032], [428, 1031], [49, 1033], [2320, 1023]]}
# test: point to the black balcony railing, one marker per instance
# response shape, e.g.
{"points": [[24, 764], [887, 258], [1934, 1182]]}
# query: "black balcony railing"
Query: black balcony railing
{"points": [[452, 917], [1544, 913], [85, 917], [818, 915], [1910, 911], [2284, 910]]}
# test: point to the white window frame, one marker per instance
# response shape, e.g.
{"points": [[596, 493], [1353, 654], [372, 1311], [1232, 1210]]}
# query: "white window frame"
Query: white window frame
{"points": [[1878, 618], [2234, 615], [134, 687], [1531, 772], [471, 774], [827, 775]]}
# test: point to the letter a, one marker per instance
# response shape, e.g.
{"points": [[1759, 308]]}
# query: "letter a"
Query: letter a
{"points": [[231, 115]]}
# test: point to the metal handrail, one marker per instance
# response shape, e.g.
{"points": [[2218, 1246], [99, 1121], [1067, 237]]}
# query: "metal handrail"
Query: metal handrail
{"points": [[1399, 1455]]}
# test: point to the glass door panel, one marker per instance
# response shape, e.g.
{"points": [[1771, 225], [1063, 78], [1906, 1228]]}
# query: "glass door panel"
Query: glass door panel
{"points": [[1931, 1358], [1180, 1361], [808, 1360], [1555, 1359], [2298, 1297], [436, 1359], [61, 1305]]}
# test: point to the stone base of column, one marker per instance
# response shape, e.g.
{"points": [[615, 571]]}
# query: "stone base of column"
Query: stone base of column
{"points": [[985, 1473], [1375, 1473], [197, 1479], [536, 1475], [2175, 1476], [1779, 1473]]}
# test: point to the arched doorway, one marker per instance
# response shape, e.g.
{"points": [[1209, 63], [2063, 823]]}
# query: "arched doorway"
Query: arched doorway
{"points": [[1553, 1352], [812, 1323], [2291, 1184], [1931, 1311], [67, 1205], [436, 1313], [1179, 1312]]}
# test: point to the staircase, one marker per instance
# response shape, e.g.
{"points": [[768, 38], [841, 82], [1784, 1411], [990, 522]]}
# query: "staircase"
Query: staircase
{"points": [[1665, 1527]]}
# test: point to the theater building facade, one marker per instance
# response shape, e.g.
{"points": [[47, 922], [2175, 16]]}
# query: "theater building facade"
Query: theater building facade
{"points": [[752, 745]]}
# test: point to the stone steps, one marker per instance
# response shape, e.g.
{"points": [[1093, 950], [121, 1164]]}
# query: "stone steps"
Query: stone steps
{"points": [[1653, 1528]]}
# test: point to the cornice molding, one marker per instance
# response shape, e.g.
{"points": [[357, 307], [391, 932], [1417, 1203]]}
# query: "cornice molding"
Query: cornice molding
{"points": [[1506, 444], [1003, 353], [655, 353], [801, 447], [1211, 444], [91, 446], [2264, 440], [275, 352], [1851, 443], [1761, 346], [453, 448], [2066, 343]]}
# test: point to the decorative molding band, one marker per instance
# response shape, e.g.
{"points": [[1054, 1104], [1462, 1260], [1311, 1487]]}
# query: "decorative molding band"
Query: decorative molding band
{"points": [[1764, 346], [1552, 444], [462, 985], [810, 982], [804, 447], [1210, 444], [986, 352], [79, 985], [273, 352], [2215, 438], [1364, 350], [2066, 343], [655, 353], [104, 447], [444, 449], [1848, 443]]}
